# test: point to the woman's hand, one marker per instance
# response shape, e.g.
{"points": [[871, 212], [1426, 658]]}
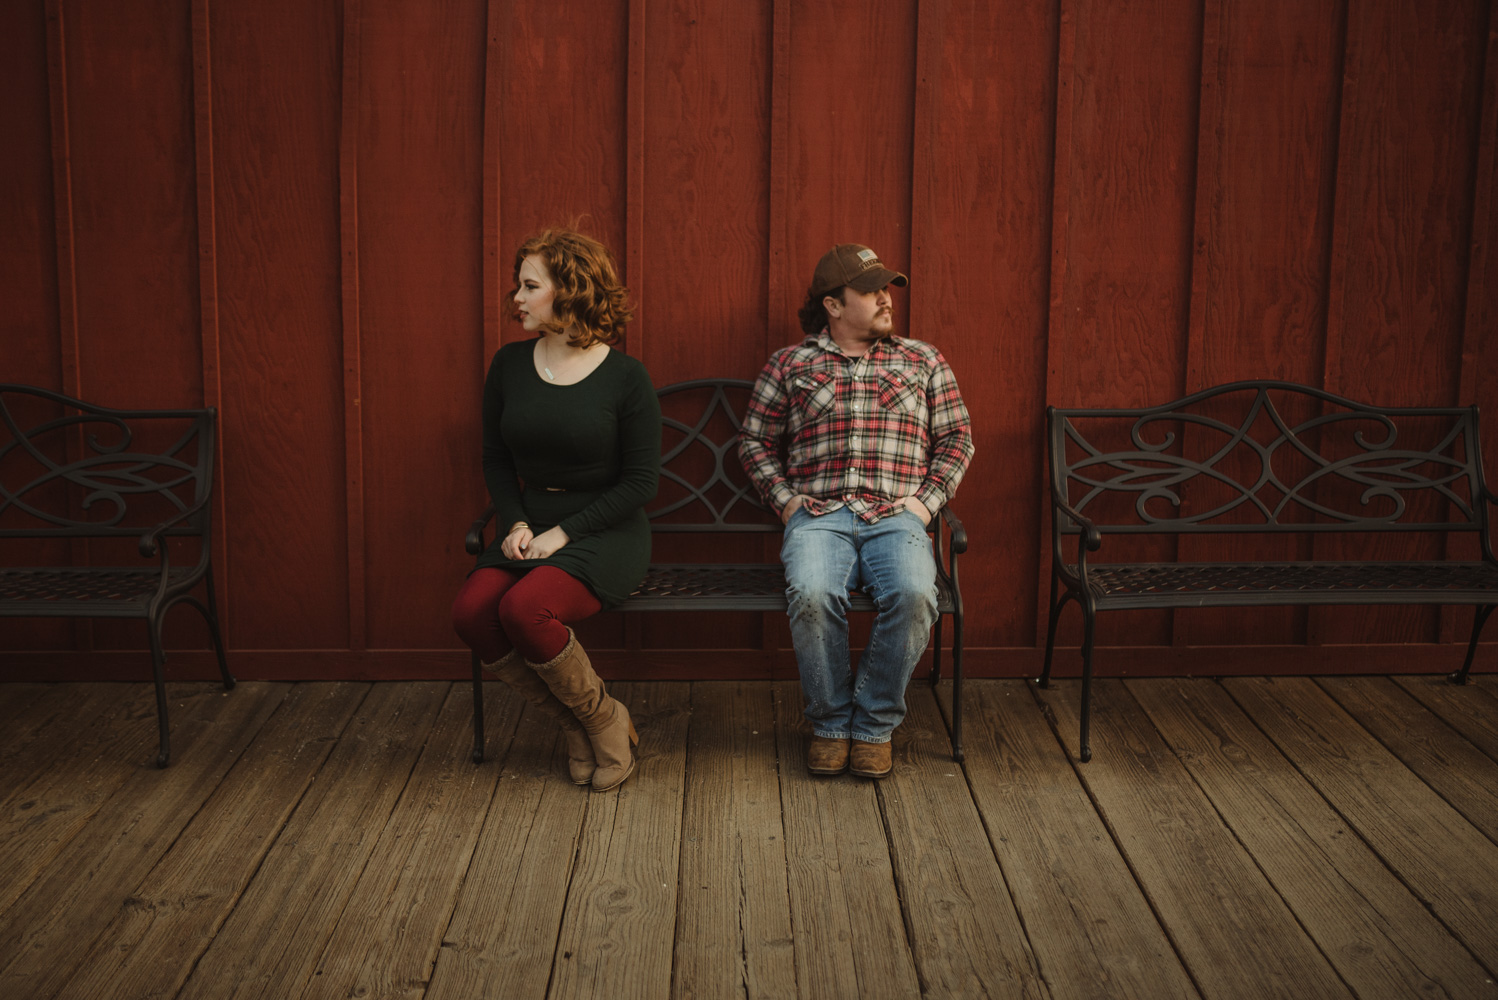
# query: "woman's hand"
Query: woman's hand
{"points": [[546, 543], [516, 544]]}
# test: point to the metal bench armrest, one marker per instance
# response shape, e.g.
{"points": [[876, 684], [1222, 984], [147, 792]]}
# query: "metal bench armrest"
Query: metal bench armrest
{"points": [[473, 542], [149, 540], [954, 525]]}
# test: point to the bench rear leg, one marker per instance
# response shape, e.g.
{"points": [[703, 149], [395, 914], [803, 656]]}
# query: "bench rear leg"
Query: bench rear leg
{"points": [[1478, 621], [1050, 636], [957, 752], [1089, 620], [158, 668], [210, 613]]}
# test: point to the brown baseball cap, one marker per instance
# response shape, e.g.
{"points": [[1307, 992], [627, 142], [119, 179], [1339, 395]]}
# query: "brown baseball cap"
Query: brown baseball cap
{"points": [[856, 266]]}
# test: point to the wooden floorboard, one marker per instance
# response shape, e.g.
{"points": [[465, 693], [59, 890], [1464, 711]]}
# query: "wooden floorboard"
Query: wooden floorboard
{"points": [[733, 919], [1375, 933], [1282, 837], [159, 931], [55, 923], [848, 928], [1235, 934], [1446, 861], [1089, 924]]}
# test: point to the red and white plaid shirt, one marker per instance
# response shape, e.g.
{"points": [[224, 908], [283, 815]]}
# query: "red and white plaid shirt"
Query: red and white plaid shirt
{"points": [[862, 432]]}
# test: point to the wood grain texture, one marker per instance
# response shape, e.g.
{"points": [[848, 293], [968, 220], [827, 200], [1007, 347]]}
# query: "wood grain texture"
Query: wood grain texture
{"points": [[389, 934], [1416, 833], [1091, 928], [30, 334], [1232, 930], [1376, 934], [733, 918], [350, 119], [849, 160], [420, 167], [502, 937], [47, 796], [28, 717], [1051, 843], [845, 904], [1407, 152], [1465, 776], [271, 944], [1265, 185], [617, 932], [984, 140], [306, 213], [1118, 337], [1462, 707], [57, 920], [275, 86], [965, 933], [563, 145], [705, 152], [162, 927]]}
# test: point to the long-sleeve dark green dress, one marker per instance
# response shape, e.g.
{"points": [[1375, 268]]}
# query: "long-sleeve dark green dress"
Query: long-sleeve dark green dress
{"points": [[586, 456]]}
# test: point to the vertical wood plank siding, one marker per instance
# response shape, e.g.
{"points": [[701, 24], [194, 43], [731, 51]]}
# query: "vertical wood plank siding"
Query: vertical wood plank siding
{"points": [[303, 213]]}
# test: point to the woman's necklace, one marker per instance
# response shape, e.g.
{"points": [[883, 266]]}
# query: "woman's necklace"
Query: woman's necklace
{"points": [[546, 349]]}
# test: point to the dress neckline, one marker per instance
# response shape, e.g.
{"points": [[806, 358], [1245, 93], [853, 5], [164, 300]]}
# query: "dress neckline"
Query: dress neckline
{"points": [[531, 364]]}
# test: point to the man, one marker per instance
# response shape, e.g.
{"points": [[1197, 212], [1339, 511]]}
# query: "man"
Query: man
{"points": [[877, 439]]}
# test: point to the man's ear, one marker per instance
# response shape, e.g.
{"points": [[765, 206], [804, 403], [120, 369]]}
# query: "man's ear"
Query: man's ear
{"points": [[834, 306]]}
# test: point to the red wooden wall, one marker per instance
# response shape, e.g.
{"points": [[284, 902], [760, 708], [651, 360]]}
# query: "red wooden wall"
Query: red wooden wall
{"points": [[303, 213]]}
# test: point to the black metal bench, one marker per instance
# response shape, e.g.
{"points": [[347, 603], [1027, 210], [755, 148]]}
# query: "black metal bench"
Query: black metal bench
{"points": [[704, 491], [87, 477], [1266, 457]]}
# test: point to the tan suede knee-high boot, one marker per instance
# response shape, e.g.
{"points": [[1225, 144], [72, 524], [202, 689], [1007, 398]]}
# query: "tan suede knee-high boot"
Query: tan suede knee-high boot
{"points": [[571, 678], [512, 669]]}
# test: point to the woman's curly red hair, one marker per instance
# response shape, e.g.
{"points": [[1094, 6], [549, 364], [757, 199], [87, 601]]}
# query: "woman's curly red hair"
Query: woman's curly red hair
{"points": [[589, 295]]}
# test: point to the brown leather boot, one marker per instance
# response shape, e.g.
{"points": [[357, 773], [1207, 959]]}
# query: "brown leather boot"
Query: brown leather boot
{"points": [[827, 756], [511, 669], [871, 760], [571, 678]]}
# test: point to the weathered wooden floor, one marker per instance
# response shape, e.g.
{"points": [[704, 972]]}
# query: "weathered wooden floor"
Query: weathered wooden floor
{"points": [[1280, 838]]}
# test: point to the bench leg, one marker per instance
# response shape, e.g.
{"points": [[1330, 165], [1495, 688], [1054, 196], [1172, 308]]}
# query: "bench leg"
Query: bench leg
{"points": [[957, 752], [210, 613], [1089, 619], [1050, 635], [1478, 621], [158, 669], [478, 711]]}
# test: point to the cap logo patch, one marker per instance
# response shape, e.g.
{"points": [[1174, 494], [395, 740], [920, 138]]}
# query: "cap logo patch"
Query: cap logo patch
{"points": [[868, 258]]}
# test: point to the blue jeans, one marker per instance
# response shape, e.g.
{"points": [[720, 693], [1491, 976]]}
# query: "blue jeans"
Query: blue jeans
{"points": [[891, 561]]}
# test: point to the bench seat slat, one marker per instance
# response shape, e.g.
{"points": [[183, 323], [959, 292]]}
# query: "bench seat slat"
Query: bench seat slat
{"points": [[93, 591], [1160, 585], [730, 587]]}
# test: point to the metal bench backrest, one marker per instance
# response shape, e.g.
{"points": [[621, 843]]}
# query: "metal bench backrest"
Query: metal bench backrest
{"points": [[1268, 456], [703, 485], [75, 470]]}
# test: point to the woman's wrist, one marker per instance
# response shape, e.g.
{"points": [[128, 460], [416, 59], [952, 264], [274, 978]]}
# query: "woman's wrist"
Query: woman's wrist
{"points": [[517, 526]]}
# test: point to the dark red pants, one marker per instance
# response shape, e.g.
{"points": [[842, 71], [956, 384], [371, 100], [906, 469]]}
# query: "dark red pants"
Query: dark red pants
{"points": [[498, 610]]}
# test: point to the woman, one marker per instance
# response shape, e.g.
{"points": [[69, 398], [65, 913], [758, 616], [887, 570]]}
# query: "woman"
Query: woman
{"points": [[572, 447]]}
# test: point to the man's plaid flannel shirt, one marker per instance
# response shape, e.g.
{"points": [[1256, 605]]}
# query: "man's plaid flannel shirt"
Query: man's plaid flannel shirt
{"points": [[863, 432]]}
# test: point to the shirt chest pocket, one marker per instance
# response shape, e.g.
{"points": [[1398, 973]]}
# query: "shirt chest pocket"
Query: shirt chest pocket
{"points": [[813, 394], [898, 392]]}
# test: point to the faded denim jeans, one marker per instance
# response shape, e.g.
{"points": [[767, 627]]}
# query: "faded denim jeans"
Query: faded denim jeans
{"points": [[891, 561]]}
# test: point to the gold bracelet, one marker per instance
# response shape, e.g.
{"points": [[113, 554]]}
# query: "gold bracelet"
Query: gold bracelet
{"points": [[516, 525]]}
